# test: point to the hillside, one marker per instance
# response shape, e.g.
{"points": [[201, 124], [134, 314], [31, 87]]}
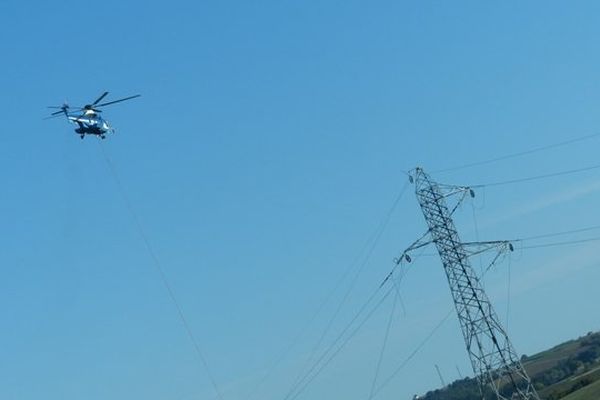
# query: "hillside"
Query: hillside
{"points": [[569, 371]]}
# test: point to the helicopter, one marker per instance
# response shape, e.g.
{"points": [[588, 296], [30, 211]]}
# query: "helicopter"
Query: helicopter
{"points": [[87, 118]]}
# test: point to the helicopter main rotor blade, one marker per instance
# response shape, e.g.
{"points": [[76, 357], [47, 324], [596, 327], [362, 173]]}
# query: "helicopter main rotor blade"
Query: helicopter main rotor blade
{"points": [[99, 98], [117, 101]]}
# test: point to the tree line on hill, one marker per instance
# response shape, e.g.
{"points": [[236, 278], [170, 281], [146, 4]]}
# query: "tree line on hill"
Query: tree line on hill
{"points": [[587, 355]]}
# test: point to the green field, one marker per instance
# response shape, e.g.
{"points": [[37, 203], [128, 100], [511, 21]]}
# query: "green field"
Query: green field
{"points": [[590, 392]]}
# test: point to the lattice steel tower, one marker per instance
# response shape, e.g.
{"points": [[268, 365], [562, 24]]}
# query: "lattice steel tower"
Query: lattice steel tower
{"points": [[494, 360]]}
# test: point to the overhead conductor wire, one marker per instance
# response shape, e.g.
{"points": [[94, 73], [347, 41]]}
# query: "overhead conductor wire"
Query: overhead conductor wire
{"points": [[383, 347], [519, 154], [328, 355], [374, 241], [561, 233], [157, 264], [537, 177], [565, 243], [554, 234], [371, 243], [412, 355]]}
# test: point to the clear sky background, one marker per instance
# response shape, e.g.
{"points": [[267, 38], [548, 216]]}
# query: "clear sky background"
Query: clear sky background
{"points": [[269, 143]]}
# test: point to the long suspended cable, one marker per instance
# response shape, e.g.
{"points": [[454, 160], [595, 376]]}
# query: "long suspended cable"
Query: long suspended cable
{"points": [[340, 336], [379, 233], [518, 154], [159, 268], [555, 234], [383, 347], [417, 349], [310, 378], [293, 344], [565, 243], [371, 248], [561, 233], [370, 244], [536, 177], [399, 297], [312, 318]]}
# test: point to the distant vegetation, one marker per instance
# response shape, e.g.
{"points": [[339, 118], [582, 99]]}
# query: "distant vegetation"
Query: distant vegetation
{"points": [[463, 389], [569, 371]]}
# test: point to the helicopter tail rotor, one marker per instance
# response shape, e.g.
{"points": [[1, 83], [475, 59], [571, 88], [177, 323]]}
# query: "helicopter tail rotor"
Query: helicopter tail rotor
{"points": [[63, 109]]}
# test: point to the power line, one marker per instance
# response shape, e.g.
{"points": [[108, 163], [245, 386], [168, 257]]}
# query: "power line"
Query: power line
{"points": [[565, 243], [383, 347], [331, 346], [309, 378], [300, 386], [314, 316], [161, 272], [518, 154], [408, 359], [373, 241], [536, 177], [561, 233]]}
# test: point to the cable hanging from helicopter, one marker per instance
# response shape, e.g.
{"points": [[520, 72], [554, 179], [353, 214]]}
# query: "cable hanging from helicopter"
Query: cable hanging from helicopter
{"points": [[88, 118]]}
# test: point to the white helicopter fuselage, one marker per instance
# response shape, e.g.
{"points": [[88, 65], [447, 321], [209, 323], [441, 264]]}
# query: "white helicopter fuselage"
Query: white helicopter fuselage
{"points": [[90, 123]]}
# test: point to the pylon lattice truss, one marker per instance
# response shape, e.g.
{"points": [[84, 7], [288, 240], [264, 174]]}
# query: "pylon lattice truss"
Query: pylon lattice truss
{"points": [[495, 362]]}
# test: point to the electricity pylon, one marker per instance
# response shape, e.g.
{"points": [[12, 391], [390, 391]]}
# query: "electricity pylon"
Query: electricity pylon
{"points": [[495, 362]]}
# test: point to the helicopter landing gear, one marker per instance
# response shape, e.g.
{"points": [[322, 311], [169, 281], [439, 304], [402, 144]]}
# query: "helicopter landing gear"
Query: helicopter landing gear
{"points": [[81, 136], [102, 137]]}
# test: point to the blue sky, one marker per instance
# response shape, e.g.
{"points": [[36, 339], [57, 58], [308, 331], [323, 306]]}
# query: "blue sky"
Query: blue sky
{"points": [[270, 140]]}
